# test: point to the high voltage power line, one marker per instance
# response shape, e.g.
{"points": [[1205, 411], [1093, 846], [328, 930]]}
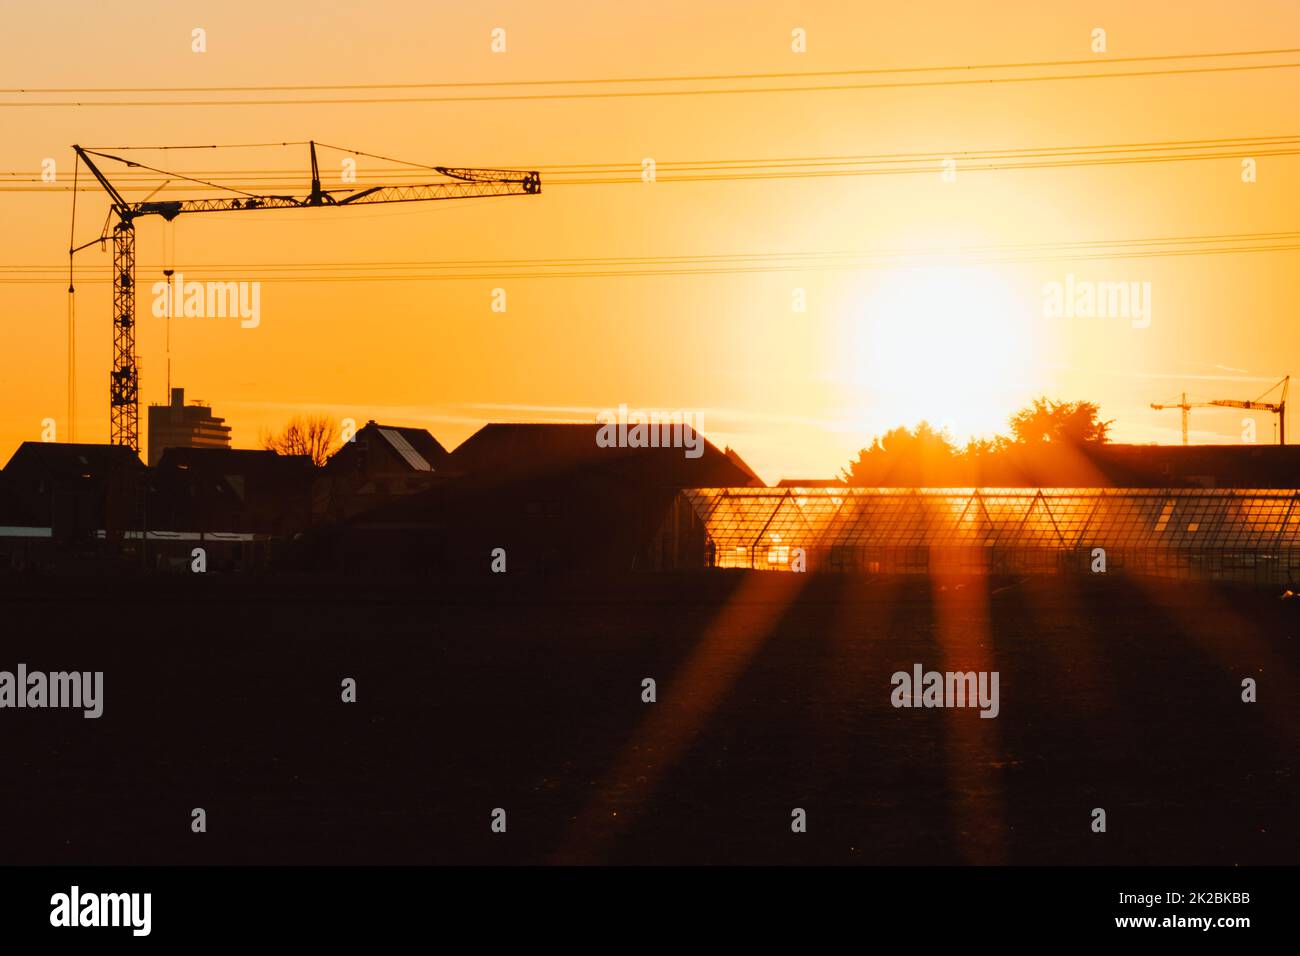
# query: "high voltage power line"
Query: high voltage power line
{"points": [[707, 77], [965, 80], [1022, 149], [721, 264], [756, 168]]}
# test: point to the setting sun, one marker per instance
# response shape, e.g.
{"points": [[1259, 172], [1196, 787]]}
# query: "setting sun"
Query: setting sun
{"points": [[950, 346]]}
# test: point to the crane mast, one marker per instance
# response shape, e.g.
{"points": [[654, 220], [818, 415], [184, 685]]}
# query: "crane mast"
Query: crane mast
{"points": [[1183, 406], [124, 377]]}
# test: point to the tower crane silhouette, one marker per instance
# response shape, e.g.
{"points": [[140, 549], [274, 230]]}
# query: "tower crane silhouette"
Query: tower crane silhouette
{"points": [[124, 377], [1278, 408]]}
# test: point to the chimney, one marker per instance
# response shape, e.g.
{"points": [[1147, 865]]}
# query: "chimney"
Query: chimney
{"points": [[178, 398]]}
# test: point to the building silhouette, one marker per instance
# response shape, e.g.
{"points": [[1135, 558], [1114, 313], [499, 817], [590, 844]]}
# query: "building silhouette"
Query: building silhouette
{"points": [[177, 425], [379, 464]]}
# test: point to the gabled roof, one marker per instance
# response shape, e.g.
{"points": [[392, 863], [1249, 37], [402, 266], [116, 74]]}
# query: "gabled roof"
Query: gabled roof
{"points": [[415, 447], [740, 463], [58, 460], [523, 451]]}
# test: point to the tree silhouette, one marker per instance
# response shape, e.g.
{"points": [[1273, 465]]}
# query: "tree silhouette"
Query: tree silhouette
{"points": [[904, 455], [925, 455], [1071, 423], [310, 435]]}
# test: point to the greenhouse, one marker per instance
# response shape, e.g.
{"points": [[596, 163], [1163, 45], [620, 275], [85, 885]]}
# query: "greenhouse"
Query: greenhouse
{"points": [[1226, 534]]}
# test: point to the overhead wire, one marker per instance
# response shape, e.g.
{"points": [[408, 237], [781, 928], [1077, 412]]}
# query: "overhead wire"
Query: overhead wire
{"points": [[720, 264], [755, 168], [622, 94], [697, 78], [706, 77]]}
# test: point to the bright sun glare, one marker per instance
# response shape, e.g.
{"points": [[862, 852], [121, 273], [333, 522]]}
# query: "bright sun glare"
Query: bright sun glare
{"points": [[948, 345]]}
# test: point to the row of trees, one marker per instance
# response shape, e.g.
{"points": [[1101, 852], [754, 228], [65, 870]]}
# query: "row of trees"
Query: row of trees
{"points": [[925, 454]]}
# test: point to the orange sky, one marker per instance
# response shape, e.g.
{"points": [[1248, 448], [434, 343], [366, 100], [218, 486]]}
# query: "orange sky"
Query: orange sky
{"points": [[963, 343]]}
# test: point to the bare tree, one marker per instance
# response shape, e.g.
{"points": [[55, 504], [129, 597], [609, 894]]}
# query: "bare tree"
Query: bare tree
{"points": [[310, 435]]}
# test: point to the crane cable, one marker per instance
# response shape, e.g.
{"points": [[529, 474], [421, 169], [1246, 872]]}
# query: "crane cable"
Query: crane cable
{"points": [[72, 311], [169, 269], [1269, 389], [387, 159], [164, 172]]}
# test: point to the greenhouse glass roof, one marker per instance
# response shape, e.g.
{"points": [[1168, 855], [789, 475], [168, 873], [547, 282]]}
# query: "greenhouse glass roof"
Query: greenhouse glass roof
{"points": [[767, 521]]}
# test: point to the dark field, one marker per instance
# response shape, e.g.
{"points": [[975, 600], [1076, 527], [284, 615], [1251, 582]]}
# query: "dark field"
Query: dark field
{"points": [[773, 693]]}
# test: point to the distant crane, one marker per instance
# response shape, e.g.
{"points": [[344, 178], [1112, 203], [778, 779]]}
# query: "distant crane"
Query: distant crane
{"points": [[124, 380], [1278, 408], [1185, 407]]}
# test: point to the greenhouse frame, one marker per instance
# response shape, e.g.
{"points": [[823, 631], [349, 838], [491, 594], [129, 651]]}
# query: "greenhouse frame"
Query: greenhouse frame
{"points": [[1250, 535]]}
